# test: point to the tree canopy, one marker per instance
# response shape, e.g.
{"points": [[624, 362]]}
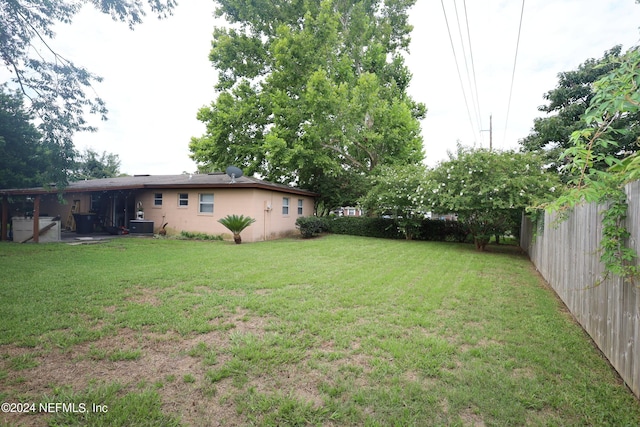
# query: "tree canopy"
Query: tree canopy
{"points": [[488, 190], [57, 91], [311, 93], [28, 160], [92, 165], [24, 160], [567, 103]]}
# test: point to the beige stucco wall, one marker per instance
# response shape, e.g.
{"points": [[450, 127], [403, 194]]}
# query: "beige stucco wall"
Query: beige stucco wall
{"points": [[264, 206]]}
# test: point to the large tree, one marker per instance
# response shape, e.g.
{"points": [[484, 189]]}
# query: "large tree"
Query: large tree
{"points": [[567, 103], [24, 158], [58, 91], [311, 92], [489, 190], [91, 165]]}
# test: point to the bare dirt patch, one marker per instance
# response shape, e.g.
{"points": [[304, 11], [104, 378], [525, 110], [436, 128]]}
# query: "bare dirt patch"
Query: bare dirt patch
{"points": [[246, 323], [470, 418], [142, 295], [203, 289], [303, 385], [526, 373], [163, 364]]}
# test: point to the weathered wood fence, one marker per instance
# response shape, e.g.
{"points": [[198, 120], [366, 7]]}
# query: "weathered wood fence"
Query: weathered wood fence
{"points": [[567, 256]]}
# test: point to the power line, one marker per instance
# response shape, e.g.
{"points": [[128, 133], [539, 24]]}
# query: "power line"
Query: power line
{"points": [[513, 74], [455, 57], [473, 67], [474, 104]]}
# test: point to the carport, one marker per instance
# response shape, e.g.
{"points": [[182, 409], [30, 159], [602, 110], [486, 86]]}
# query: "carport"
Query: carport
{"points": [[79, 207]]}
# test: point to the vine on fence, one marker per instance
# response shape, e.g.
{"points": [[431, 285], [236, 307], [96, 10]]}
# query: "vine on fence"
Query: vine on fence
{"points": [[616, 95]]}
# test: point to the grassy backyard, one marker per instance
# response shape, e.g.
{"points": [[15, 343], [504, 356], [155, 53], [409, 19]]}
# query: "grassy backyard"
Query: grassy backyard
{"points": [[331, 331]]}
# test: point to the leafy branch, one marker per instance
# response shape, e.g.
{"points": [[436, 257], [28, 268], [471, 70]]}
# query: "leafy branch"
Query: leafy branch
{"points": [[616, 95], [55, 88]]}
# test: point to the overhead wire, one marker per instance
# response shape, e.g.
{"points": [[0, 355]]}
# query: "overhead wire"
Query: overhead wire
{"points": [[473, 67], [513, 74], [474, 102], [455, 57]]}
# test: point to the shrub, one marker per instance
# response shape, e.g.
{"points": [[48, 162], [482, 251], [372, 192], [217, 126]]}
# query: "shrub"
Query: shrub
{"points": [[432, 229], [198, 236], [364, 226], [310, 226], [235, 224]]}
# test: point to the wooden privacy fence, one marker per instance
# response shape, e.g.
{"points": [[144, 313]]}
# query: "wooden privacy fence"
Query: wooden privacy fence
{"points": [[567, 256]]}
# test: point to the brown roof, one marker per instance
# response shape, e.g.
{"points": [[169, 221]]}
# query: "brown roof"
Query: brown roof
{"points": [[211, 180]]}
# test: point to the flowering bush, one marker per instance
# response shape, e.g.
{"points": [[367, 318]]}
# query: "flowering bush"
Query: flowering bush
{"points": [[400, 193], [489, 189]]}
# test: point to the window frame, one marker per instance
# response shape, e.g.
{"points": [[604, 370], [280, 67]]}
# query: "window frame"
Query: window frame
{"points": [[157, 199], [181, 200], [201, 203], [285, 206], [94, 202]]}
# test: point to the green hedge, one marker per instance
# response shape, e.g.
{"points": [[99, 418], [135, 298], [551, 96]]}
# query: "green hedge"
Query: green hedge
{"points": [[441, 230], [388, 228], [363, 226]]}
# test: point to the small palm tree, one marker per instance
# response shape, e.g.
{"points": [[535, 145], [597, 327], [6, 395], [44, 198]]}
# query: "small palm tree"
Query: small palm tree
{"points": [[235, 224]]}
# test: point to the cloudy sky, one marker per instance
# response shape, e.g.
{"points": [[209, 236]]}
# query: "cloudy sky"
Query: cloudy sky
{"points": [[158, 76]]}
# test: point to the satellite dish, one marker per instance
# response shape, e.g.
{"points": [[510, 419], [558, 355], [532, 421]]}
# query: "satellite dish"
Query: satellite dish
{"points": [[234, 173]]}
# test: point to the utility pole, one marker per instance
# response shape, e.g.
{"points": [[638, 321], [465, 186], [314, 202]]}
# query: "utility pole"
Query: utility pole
{"points": [[490, 130]]}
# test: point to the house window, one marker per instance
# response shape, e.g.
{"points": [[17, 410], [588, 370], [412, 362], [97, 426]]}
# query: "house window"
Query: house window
{"points": [[183, 200], [157, 199], [300, 204], [95, 202], [285, 206], [206, 204], [351, 212]]}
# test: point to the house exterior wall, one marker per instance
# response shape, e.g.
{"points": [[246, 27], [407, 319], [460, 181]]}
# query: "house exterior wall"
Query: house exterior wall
{"points": [[271, 220], [351, 211], [51, 206], [184, 214]]}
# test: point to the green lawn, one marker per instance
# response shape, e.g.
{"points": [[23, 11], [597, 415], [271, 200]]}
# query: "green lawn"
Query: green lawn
{"points": [[337, 330]]}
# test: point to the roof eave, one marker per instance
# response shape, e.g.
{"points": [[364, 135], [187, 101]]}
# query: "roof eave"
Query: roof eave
{"points": [[69, 189]]}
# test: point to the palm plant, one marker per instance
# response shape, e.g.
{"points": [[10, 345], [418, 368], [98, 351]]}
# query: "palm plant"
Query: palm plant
{"points": [[235, 224]]}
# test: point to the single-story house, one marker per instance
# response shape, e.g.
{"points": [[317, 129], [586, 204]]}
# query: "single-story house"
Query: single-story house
{"points": [[191, 203]]}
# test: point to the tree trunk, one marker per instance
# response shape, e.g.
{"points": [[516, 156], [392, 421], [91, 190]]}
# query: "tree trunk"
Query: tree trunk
{"points": [[236, 238], [481, 243]]}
